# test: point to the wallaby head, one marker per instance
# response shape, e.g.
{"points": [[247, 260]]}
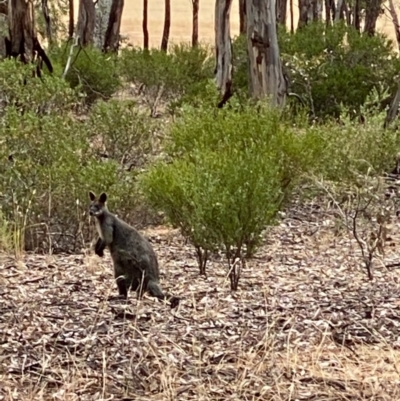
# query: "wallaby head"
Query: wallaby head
{"points": [[97, 205]]}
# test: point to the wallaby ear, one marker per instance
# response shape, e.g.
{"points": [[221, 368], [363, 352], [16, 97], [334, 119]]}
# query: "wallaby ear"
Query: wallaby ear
{"points": [[103, 198], [92, 196]]}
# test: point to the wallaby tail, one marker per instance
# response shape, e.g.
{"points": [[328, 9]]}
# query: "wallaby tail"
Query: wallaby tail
{"points": [[155, 290]]}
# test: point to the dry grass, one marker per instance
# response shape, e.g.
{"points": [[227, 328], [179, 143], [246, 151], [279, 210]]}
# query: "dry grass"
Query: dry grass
{"points": [[306, 324]]}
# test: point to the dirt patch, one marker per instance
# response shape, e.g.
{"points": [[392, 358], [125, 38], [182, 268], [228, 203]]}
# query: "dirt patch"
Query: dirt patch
{"points": [[306, 324]]}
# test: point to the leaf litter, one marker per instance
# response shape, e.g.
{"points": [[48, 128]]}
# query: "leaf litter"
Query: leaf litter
{"points": [[305, 324]]}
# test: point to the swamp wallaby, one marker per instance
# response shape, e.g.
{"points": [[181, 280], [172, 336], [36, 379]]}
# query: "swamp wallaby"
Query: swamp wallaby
{"points": [[135, 262]]}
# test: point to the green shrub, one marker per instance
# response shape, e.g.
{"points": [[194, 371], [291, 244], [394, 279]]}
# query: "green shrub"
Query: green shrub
{"points": [[240, 61], [122, 133], [329, 67], [352, 149], [176, 76], [227, 174], [50, 159], [48, 165], [337, 66], [49, 154], [94, 73], [21, 90]]}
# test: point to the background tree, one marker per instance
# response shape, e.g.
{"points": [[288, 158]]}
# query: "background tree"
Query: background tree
{"points": [[291, 6], [22, 39], [281, 9], [195, 22], [395, 20], [71, 22], [86, 22], [266, 76], [47, 19], [242, 17], [372, 11], [144, 24], [309, 11], [111, 41], [102, 18], [3, 29], [167, 25], [357, 17], [338, 11], [223, 49]]}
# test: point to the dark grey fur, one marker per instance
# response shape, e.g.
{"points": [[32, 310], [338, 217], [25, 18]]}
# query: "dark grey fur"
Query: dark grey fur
{"points": [[135, 262]]}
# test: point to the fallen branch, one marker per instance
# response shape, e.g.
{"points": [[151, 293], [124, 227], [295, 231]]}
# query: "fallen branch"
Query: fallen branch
{"points": [[71, 52]]}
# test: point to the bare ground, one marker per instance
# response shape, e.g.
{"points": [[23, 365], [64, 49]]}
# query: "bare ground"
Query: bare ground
{"points": [[306, 324]]}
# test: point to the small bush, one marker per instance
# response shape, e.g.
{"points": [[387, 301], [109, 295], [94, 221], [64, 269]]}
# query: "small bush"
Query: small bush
{"points": [[25, 92], [240, 61], [175, 77], [352, 149], [92, 72], [335, 67], [227, 175], [53, 155], [48, 165], [121, 132]]}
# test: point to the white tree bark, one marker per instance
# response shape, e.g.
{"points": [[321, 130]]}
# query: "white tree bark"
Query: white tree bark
{"points": [[103, 8], [266, 76]]}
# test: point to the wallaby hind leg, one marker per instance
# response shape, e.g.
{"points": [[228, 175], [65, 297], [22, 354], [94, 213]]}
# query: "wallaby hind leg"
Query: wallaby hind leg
{"points": [[122, 287], [138, 286], [141, 287]]}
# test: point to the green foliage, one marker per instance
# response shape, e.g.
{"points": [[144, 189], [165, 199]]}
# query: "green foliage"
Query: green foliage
{"points": [[240, 63], [92, 72], [178, 76], [126, 133], [20, 89], [329, 67], [337, 66], [50, 159], [352, 149], [50, 154], [228, 172]]}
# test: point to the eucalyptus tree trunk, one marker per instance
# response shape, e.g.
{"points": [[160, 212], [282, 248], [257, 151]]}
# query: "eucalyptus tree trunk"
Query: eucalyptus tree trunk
{"points": [[195, 22], [47, 20], [281, 11], [309, 11], [372, 11], [242, 17], [338, 11], [167, 25], [102, 17], [329, 11], [71, 22], [3, 30], [357, 16], [22, 29], [145, 25], [266, 76], [316, 6], [111, 40], [223, 48], [291, 7], [86, 22], [393, 109], [395, 21], [22, 40]]}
